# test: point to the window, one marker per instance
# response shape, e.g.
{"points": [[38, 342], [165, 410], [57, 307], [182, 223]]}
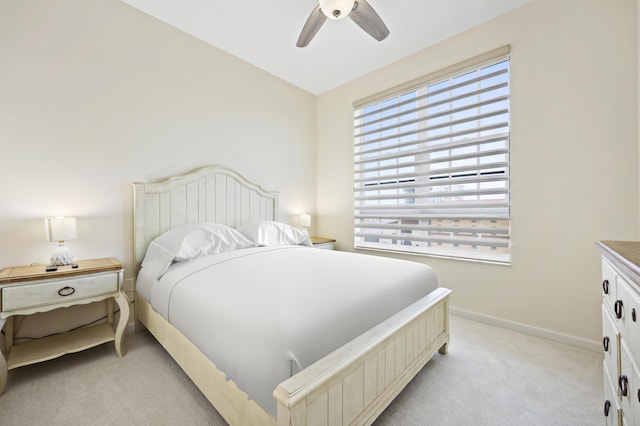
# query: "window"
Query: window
{"points": [[431, 164]]}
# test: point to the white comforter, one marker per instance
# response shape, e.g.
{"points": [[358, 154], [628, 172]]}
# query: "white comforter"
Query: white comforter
{"points": [[262, 314]]}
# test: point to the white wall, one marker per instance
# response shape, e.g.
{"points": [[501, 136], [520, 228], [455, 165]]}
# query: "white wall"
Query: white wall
{"points": [[574, 159], [95, 95]]}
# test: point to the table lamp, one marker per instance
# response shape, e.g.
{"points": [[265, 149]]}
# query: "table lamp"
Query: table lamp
{"points": [[305, 220], [61, 229]]}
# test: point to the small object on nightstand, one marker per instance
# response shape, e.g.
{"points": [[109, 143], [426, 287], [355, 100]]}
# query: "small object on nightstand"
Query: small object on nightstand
{"points": [[74, 265], [323, 243], [51, 268]]}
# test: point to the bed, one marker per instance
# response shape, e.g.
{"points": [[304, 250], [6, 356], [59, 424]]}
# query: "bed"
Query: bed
{"points": [[365, 361]]}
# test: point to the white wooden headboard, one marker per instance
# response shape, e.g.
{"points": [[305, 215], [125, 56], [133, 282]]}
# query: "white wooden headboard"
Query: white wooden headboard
{"points": [[209, 194]]}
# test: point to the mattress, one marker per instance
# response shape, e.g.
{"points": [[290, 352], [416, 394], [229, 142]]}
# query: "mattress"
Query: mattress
{"points": [[262, 314]]}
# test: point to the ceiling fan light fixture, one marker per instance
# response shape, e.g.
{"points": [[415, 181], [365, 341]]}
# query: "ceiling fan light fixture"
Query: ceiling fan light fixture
{"points": [[359, 11], [336, 9]]}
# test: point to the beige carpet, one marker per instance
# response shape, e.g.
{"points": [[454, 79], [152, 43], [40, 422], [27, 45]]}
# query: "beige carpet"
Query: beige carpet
{"points": [[490, 377]]}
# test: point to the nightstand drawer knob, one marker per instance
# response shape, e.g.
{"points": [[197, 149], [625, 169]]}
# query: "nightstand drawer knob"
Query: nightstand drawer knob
{"points": [[66, 291]]}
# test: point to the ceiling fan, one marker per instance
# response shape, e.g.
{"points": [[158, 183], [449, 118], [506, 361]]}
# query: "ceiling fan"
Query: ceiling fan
{"points": [[359, 11]]}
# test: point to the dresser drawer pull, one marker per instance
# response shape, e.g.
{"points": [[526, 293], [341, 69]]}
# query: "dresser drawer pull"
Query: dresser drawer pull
{"points": [[66, 291], [633, 314], [605, 343], [638, 395], [607, 407], [617, 308], [605, 286], [623, 385]]}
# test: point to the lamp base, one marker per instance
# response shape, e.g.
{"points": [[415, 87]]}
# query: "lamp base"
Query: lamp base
{"points": [[61, 256]]}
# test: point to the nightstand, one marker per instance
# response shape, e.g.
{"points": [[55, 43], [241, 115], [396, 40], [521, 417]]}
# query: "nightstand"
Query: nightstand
{"points": [[323, 243], [26, 290]]}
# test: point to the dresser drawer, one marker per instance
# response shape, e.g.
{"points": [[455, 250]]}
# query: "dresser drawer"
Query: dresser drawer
{"points": [[628, 386], [608, 287], [51, 292], [610, 341], [629, 303], [611, 407]]}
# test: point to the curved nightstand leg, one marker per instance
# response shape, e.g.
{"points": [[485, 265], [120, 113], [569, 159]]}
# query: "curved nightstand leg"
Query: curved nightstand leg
{"points": [[3, 373], [123, 303], [3, 364]]}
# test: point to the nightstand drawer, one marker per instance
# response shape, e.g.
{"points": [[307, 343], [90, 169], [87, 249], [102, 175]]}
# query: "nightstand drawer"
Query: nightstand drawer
{"points": [[323, 243], [16, 297]]}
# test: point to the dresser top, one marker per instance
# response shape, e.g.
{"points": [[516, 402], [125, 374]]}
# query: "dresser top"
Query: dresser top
{"points": [[624, 254], [37, 272]]}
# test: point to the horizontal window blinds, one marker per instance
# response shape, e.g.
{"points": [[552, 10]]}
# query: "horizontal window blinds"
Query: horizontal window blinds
{"points": [[431, 164]]}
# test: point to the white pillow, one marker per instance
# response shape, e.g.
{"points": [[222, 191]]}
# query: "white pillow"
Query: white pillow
{"points": [[190, 242], [212, 238], [270, 233], [157, 259]]}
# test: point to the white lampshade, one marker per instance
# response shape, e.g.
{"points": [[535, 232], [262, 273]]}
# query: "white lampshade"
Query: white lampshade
{"points": [[336, 9], [305, 220], [61, 229]]}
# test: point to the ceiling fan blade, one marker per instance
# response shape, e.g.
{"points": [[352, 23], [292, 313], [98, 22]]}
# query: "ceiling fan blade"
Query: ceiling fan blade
{"points": [[367, 19], [311, 27]]}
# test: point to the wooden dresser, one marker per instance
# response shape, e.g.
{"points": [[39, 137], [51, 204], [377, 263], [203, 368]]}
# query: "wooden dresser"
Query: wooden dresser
{"points": [[621, 331]]}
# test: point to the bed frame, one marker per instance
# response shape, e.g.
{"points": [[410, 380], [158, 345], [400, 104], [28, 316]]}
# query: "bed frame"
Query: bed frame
{"points": [[352, 385]]}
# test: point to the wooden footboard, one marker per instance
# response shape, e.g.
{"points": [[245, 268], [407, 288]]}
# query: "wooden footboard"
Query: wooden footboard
{"points": [[354, 384]]}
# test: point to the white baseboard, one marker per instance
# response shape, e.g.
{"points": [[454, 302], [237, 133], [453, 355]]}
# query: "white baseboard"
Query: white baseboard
{"points": [[554, 336]]}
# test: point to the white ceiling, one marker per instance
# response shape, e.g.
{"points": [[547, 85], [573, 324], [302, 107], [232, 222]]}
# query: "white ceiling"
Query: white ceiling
{"points": [[264, 33]]}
